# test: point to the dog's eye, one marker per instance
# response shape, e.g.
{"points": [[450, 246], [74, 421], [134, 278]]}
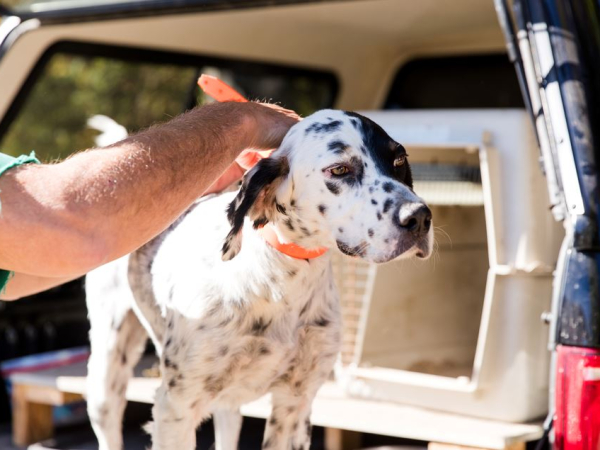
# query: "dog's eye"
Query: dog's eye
{"points": [[399, 161], [338, 171]]}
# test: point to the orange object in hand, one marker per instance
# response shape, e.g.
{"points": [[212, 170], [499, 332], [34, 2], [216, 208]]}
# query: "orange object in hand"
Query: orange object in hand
{"points": [[222, 92], [219, 90]]}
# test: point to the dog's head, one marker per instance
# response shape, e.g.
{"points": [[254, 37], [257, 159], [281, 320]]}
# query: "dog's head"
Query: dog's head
{"points": [[338, 180]]}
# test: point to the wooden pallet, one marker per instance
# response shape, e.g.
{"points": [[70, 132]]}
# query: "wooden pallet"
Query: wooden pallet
{"points": [[343, 417]]}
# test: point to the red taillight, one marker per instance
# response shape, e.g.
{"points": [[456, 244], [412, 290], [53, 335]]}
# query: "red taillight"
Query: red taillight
{"points": [[577, 417]]}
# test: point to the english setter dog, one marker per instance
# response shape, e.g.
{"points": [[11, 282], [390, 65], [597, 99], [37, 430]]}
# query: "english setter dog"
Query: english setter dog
{"points": [[231, 315]]}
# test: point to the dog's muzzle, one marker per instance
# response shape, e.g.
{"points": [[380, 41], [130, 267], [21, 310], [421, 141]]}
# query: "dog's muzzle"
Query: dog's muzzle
{"points": [[415, 218]]}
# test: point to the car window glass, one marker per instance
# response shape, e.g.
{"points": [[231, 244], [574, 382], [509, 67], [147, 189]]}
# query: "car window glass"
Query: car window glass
{"points": [[72, 89], [134, 89], [471, 81]]}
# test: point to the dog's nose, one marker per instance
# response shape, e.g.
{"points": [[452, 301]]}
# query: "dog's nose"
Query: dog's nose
{"points": [[415, 217]]}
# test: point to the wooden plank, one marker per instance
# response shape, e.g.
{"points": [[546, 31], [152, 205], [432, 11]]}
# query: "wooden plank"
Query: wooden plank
{"points": [[49, 396], [335, 409], [336, 439], [32, 422]]}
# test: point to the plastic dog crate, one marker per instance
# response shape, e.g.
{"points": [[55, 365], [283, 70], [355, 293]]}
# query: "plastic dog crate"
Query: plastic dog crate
{"points": [[462, 331]]}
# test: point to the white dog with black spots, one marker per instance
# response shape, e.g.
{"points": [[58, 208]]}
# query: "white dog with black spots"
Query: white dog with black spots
{"points": [[231, 317]]}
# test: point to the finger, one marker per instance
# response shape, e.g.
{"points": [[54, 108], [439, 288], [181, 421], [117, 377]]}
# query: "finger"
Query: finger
{"points": [[273, 123], [280, 109], [249, 158]]}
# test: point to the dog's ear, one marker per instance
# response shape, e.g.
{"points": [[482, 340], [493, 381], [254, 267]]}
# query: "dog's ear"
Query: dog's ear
{"points": [[256, 200]]}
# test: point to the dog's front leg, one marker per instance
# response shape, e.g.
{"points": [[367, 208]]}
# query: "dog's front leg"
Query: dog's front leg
{"points": [[228, 424], [289, 427], [174, 425]]}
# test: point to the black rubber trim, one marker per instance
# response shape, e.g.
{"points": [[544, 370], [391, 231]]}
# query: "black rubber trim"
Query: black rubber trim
{"points": [[4, 11], [151, 8]]}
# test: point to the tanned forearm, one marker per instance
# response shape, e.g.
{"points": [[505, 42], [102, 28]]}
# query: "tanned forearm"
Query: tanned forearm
{"points": [[21, 285], [64, 219]]}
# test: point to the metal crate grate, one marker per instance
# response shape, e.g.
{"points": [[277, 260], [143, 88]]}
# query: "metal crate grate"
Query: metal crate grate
{"points": [[448, 184]]}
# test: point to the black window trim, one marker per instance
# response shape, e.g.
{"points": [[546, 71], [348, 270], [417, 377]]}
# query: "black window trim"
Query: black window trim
{"points": [[128, 53], [143, 8]]}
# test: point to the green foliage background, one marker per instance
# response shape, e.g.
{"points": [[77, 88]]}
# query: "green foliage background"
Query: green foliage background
{"points": [[73, 88], [10, 3]]}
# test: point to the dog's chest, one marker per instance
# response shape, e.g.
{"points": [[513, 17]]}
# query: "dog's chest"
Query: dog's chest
{"points": [[230, 331], [236, 353]]}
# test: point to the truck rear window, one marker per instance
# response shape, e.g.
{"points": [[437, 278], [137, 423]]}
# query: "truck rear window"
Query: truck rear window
{"points": [[136, 88], [472, 81]]}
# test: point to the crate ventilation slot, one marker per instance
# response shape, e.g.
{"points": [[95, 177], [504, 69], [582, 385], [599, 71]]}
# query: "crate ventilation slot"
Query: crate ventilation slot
{"points": [[448, 184]]}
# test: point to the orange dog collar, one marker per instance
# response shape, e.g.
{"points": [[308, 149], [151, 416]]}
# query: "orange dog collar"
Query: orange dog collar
{"points": [[295, 251]]}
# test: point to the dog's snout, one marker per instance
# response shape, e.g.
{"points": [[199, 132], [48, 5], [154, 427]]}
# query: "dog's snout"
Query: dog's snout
{"points": [[415, 217]]}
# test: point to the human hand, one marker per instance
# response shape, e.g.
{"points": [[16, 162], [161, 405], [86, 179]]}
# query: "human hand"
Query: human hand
{"points": [[269, 126], [271, 122]]}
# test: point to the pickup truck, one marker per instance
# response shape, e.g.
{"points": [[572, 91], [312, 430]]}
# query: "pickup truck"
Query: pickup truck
{"points": [[498, 103]]}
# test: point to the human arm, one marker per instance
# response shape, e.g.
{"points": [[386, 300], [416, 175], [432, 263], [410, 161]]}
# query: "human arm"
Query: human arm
{"points": [[22, 285], [64, 219]]}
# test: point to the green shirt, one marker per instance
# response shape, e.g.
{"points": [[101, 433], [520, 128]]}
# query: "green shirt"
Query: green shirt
{"points": [[8, 162]]}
